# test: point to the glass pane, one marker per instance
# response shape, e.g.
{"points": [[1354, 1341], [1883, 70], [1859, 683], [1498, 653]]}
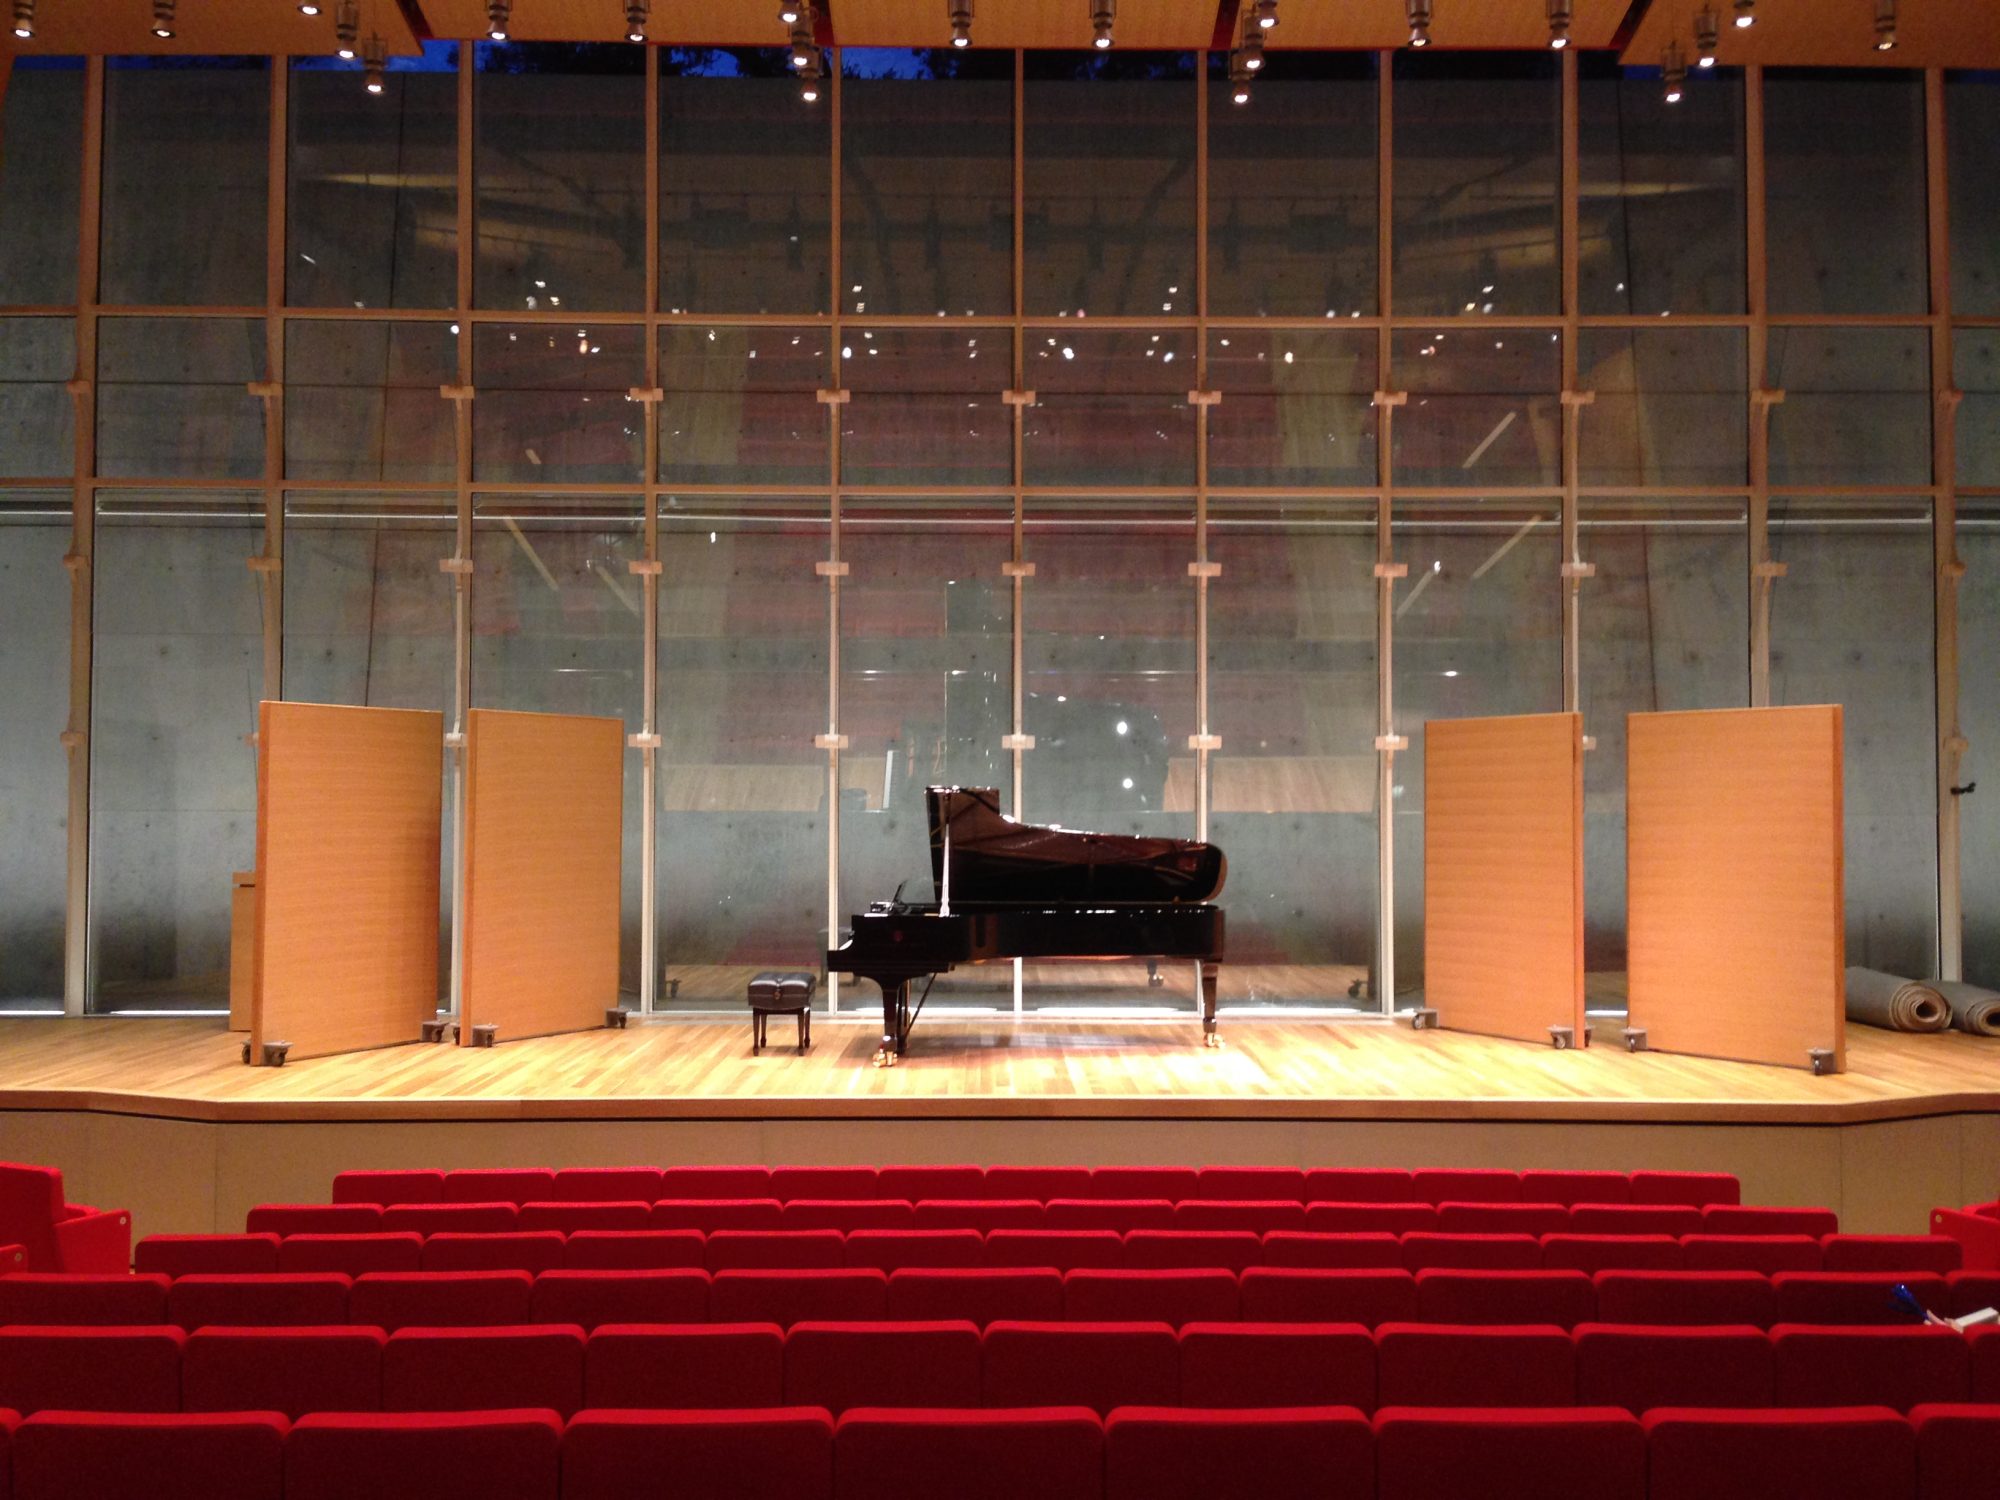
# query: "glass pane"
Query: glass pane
{"points": [[1111, 408], [1478, 170], [362, 401], [1857, 407], [555, 403], [1660, 194], [1483, 408], [34, 767], [1976, 434], [1108, 216], [173, 398], [1478, 632], [186, 147], [41, 169], [1665, 626], [560, 176], [1297, 407], [177, 668], [742, 405], [372, 201], [743, 847], [926, 407], [1876, 662], [1671, 406], [1972, 126], [37, 416], [1292, 189], [745, 184], [1979, 720], [1291, 687], [1833, 141], [927, 181]]}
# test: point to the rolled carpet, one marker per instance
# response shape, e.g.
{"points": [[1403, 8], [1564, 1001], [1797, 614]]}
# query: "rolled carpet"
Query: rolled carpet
{"points": [[1973, 1009], [1880, 999]]}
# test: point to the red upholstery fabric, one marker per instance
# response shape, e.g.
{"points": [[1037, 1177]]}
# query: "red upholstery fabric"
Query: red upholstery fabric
{"points": [[715, 1182], [351, 1254], [1837, 1453], [1361, 1252], [1503, 1218], [1176, 1297], [1257, 1215], [1358, 1185], [1972, 1290], [1131, 1183], [635, 1250], [788, 1297], [1192, 1249], [54, 1297], [515, 1185], [313, 1218], [305, 1300], [1064, 1249], [1698, 1189], [1371, 1218], [1611, 1252], [13, 1258], [893, 1249], [486, 1455], [1464, 1185], [913, 1183], [484, 1369], [1251, 1184], [775, 1249], [76, 1455], [56, 1235], [1422, 1364], [614, 1455], [986, 1295], [1984, 1344], [1472, 1252], [711, 1214], [1958, 1451], [1160, 1453], [1277, 1364], [1733, 1219], [212, 1254], [1564, 1298], [592, 1298], [1853, 1296], [541, 1251], [1120, 1214], [1898, 1367], [608, 1185], [386, 1187], [696, 1366], [1765, 1253], [847, 1214], [439, 1299], [1041, 1183], [1891, 1252], [1275, 1294], [1098, 1365], [1634, 1218], [788, 1183], [1050, 1453], [90, 1369], [982, 1214], [1575, 1187], [289, 1370], [453, 1218], [1586, 1453], [1639, 1368], [841, 1365], [570, 1217], [1682, 1297]]}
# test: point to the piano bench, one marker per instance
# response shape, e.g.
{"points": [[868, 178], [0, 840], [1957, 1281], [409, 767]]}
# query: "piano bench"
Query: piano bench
{"points": [[773, 993]]}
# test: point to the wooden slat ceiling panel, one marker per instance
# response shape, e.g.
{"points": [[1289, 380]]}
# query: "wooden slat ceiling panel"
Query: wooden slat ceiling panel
{"points": [[202, 28], [1482, 24], [697, 23], [1829, 34], [1179, 24]]}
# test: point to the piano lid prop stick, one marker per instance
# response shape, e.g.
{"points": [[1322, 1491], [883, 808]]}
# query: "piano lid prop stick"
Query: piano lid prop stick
{"points": [[944, 891]]}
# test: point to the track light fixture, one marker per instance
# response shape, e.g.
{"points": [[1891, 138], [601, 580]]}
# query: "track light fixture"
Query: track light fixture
{"points": [[374, 58], [1706, 30], [1239, 81], [163, 19], [804, 53], [1885, 25], [637, 14], [1103, 15], [788, 15], [959, 13], [1265, 14], [1251, 49], [1674, 73], [308, 7], [809, 81], [346, 27], [24, 19], [498, 12], [1419, 13], [1559, 16], [1746, 13]]}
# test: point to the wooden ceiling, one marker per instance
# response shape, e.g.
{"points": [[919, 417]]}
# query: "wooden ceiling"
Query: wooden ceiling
{"points": [[1818, 33]]}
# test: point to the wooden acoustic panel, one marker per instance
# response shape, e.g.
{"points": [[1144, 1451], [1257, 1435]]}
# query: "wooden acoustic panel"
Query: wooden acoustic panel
{"points": [[242, 948], [349, 804], [1503, 874], [544, 817], [1733, 871]]}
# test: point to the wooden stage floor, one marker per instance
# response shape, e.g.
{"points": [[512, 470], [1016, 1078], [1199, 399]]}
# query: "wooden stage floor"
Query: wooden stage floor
{"points": [[1109, 1068]]}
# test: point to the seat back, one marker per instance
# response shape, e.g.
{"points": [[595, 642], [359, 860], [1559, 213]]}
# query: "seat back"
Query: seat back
{"points": [[1424, 1364], [1277, 1364], [505, 1250], [494, 1217], [484, 1369], [212, 1254], [1175, 1297], [982, 1214], [353, 1254], [31, 1201], [1161, 1453], [74, 1455], [1251, 1184], [894, 1249], [914, 1183], [591, 1299], [1358, 1185], [1564, 1298], [693, 1183], [1894, 1367], [788, 1183], [1039, 1183], [55, 1298], [386, 1187], [1356, 1252], [493, 1455], [1836, 1453], [1275, 1294], [1639, 1368], [694, 1366], [1128, 1183], [1095, 1365], [278, 1300], [516, 1185], [1062, 1249], [982, 1295], [787, 1297], [1192, 1249], [572, 1216], [289, 1370], [1051, 1453], [635, 1250], [1589, 1453], [1592, 1253], [90, 1369], [1767, 1254], [842, 1365], [1682, 1297], [440, 1299], [608, 1185], [613, 1455]]}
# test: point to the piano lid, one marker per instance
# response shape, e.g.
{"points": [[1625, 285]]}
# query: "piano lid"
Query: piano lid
{"points": [[995, 858]]}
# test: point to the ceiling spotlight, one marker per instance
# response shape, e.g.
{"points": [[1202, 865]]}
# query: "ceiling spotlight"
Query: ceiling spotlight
{"points": [[1102, 14], [1251, 49], [1674, 72], [959, 13], [308, 7], [1885, 25], [637, 14], [163, 19], [1746, 13], [1558, 24], [788, 15], [804, 53], [1265, 14], [1419, 13], [374, 57], [1706, 28], [1239, 82], [809, 81], [346, 27], [24, 19], [497, 12]]}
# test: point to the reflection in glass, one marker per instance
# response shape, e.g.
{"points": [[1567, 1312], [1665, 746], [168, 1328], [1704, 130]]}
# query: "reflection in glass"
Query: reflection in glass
{"points": [[362, 401], [1483, 407], [1297, 407], [1670, 406], [41, 169], [1111, 408], [1979, 720], [1972, 133], [37, 416], [1857, 406], [742, 405], [926, 407], [34, 767], [1975, 356], [555, 403], [173, 398]]}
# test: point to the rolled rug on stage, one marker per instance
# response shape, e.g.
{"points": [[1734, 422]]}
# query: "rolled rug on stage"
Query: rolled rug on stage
{"points": [[1973, 1008], [1880, 999]]}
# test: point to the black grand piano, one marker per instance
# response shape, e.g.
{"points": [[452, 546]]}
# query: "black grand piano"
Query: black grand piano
{"points": [[1018, 890]]}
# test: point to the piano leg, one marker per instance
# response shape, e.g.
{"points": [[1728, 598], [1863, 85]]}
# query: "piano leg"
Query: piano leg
{"points": [[1210, 973], [895, 1022]]}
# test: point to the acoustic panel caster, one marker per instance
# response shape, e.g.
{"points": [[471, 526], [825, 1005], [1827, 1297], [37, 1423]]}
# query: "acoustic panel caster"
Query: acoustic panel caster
{"points": [[1635, 1038], [614, 1018], [1424, 1019], [1821, 1059], [1562, 1038], [884, 1058], [485, 1035], [1212, 1042], [246, 1052], [434, 1031], [275, 1054], [673, 989]]}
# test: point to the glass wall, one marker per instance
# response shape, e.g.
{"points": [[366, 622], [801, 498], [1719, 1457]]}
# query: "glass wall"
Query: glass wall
{"points": [[34, 772]]}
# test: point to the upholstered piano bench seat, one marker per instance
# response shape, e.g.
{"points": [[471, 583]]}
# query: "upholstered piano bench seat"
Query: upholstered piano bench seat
{"points": [[780, 994]]}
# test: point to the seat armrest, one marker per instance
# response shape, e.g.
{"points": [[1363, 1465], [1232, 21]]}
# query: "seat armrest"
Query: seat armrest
{"points": [[13, 1258], [99, 1242]]}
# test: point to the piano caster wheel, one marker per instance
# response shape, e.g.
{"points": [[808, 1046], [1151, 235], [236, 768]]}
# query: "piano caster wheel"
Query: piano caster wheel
{"points": [[884, 1058], [246, 1052], [1212, 1042]]}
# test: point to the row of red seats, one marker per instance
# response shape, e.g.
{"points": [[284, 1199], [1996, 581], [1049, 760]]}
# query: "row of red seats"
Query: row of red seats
{"points": [[468, 1299], [945, 1363], [1945, 1452], [1299, 1185]]}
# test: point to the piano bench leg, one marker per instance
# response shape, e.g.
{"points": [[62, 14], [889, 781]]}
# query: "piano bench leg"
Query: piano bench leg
{"points": [[756, 1032], [805, 1030]]}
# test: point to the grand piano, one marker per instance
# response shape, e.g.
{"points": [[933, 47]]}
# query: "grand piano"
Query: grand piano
{"points": [[1018, 890]]}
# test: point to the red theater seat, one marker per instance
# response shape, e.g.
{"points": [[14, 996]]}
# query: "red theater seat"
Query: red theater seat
{"points": [[1371, 1218], [351, 1254], [1634, 1218], [1174, 1297], [775, 1249], [614, 1455], [90, 1369], [472, 1455], [1121, 1215], [841, 1365], [708, 1366], [1040, 1183], [101, 1300], [1355, 1252], [1729, 1218], [1937, 1253], [1160, 1453], [1564, 1298], [1251, 1184], [1472, 1252], [1586, 1453], [1984, 1344], [894, 1249], [986, 1295], [494, 1252], [1572, 1188], [572, 1217], [1464, 1185], [206, 1254], [913, 1183], [982, 1214], [1898, 1367], [55, 1235], [1064, 1249], [847, 1214], [1767, 1254], [1192, 1249], [516, 1185], [590, 1299], [453, 1218], [484, 1369], [608, 1185], [1852, 1297], [285, 1219], [1503, 1218], [384, 1188], [715, 1182], [1592, 1253], [788, 1183], [708, 1215], [1696, 1189], [1258, 1216], [1128, 1184], [289, 1370], [1050, 1453], [1958, 1451], [1639, 1368], [1277, 1364], [439, 1299], [1281, 1294], [1972, 1290], [1422, 1364], [1358, 1185], [305, 1300], [1835, 1453], [1684, 1297], [1098, 1365], [74, 1455], [635, 1250], [788, 1297]]}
